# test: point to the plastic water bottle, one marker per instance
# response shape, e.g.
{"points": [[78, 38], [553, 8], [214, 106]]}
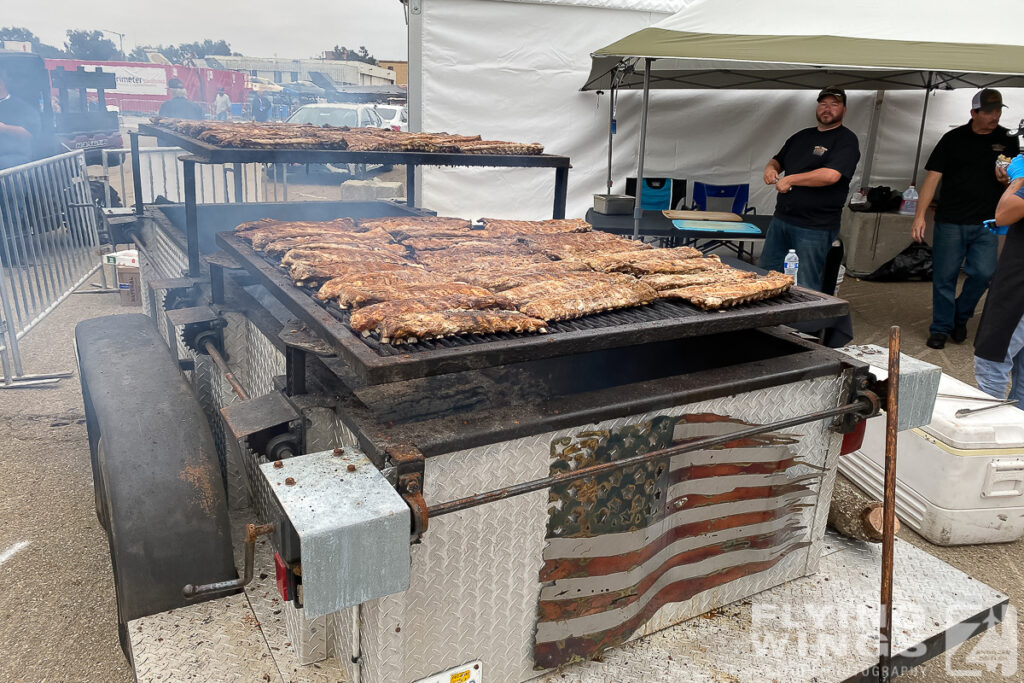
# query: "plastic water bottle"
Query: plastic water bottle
{"points": [[791, 264], [908, 207]]}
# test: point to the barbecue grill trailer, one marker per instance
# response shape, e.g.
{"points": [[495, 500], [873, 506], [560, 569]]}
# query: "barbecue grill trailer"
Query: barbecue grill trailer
{"points": [[500, 509]]}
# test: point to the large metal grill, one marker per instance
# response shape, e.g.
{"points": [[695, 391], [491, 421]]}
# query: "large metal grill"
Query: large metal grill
{"points": [[375, 363]]}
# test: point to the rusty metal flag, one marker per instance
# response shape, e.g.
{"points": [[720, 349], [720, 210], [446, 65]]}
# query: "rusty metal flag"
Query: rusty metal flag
{"points": [[621, 546]]}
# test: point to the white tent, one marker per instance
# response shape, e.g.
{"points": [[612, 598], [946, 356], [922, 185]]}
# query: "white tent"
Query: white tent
{"points": [[513, 69]]}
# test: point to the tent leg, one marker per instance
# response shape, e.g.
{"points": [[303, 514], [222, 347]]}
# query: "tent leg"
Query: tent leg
{"points": [[869, 153], [611, 132], [638, 212], [920, 133]]}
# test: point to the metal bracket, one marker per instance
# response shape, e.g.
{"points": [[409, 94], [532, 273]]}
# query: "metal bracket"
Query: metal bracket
{"points": [[264, 421], [408, 462]]}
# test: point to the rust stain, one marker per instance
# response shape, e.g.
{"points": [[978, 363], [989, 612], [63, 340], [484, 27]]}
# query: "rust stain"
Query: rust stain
{"points": [[200, 476]]}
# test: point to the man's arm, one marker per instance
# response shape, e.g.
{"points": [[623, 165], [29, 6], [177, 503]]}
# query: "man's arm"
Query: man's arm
{"points": [[771, 171], [819, 177], [1011, 207], [13, 131], [924, 200]]}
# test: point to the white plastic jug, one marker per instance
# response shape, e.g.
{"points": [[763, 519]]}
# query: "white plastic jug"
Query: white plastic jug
{"points": [[908, 207]]}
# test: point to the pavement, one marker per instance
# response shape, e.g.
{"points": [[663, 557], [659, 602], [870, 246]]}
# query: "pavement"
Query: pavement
{"points": [[57, 610]]}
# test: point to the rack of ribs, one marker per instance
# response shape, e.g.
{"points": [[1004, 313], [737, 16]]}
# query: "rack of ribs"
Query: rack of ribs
{"points": [[726, 294], [357, 296], [500, 226], [397, 223], [339, 253], [517, 276], [575, 246], [315, 274], [412, 327], [678, 260], [281, 246], [340, 286], [566, 299], [369, 318], [663, 281]]}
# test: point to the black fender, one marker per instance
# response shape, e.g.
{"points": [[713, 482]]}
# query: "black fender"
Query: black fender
{"points": [[158, 484]]}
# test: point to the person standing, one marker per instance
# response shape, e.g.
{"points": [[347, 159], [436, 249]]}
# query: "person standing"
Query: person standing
{"points": [[221, 105], [19, 124], [179, 106], [811, 174], [260, 107], [999, 344], [964, 160]]}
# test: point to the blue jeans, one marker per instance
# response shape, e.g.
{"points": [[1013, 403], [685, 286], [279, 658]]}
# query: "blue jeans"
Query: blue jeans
{"points": [[811, 247], [972, 246], [993, 377]]}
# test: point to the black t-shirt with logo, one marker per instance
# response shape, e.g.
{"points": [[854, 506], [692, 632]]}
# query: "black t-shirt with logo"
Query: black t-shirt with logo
{"points": [[967, 161], [808, 150]]}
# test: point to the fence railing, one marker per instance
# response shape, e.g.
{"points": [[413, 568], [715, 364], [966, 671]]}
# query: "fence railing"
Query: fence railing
{"points": [[162, 176], [48, 249]]}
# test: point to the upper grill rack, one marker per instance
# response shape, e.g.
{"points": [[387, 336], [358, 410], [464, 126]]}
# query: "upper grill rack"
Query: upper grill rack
{"points": [[372, 362]]}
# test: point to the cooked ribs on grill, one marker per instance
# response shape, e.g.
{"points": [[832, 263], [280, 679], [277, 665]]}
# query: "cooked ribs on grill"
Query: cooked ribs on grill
{"points": [[476, 239], [341, 286], [393, 223], [329, 242], [411, 327], [726, 294], [564, 285], [571, 246], [315, 274], [678, 260], [500, 226], [663, 281], [593, 298], [474, 258], [359, 296], [268, 135], [517, 276], [370, 317], [339, 254]]}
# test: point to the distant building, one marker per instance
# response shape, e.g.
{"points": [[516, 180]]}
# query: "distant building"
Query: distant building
{"points": [[288, 70], [401, 69]]}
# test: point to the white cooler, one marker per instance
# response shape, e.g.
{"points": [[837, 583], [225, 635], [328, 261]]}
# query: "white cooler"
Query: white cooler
{"points": [[959, 480]]}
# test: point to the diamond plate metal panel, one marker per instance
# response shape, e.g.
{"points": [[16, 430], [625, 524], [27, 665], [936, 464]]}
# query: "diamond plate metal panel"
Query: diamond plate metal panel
{"points": [[341, 629], [475, 586], [325, 431], [307, 636]]}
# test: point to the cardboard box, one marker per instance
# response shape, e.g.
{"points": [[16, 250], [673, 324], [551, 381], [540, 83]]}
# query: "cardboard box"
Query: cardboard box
{"points": [[128, 257], [129, 281]]}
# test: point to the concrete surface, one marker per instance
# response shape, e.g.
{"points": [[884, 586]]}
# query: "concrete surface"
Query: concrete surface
{"points": [[57, 611]]}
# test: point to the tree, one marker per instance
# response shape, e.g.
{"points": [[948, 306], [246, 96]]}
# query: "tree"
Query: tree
{"points": [[91, 45], [182, 54], [342, 53], [23, 34], [206, 48]]}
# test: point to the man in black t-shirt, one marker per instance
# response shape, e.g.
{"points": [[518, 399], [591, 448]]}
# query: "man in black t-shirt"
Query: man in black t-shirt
{"points": [[18, 124], [179, 106], [817, 164], [964, 161]]}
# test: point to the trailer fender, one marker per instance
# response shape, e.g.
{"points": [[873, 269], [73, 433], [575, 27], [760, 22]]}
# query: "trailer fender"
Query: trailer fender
{"points": [[158, 485]]}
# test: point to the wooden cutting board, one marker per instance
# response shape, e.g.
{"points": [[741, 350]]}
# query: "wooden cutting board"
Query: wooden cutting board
{"points": [[701, 216]]}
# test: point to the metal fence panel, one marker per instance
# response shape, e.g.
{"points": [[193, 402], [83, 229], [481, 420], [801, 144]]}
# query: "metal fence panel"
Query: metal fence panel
{"points": [[48, 248]]}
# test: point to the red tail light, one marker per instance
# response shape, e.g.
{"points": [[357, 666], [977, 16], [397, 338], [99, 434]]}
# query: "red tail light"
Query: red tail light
{"points": [[281, 575], [396, 128], [854, 439]]}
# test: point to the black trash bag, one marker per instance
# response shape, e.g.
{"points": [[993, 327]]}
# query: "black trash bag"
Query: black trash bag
{"points": [[913, 263], [882, 199]]}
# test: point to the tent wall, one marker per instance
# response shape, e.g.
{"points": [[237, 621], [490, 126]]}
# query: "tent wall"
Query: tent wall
{"points": [[512, 71]]}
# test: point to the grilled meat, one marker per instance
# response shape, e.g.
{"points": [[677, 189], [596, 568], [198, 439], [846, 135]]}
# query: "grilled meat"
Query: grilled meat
{"points": [[593, 298], [499, 226], [570, 246], [315, 274], [339, 253], [517, 276], [678, 260], [282, 246], [726, 294], [370, 317], [359, 296], [477, 239], [411, 327], [663, 281], [339, 286], [393, 223], [564, 286]]}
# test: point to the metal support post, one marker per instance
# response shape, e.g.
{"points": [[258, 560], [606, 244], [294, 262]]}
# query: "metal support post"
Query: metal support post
{"points": [[191, 217], [136, 172], [561, 188], [638, 212], [410, 185], [216, 283], [295, 370], [236, 170], [889, 508]]}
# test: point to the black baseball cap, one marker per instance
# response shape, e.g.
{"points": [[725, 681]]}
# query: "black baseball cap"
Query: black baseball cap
{"points": [[175, 83], [833, 91], [987, 100]]}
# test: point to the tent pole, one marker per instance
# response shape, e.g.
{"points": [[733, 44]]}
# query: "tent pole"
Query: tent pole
{"points": [[869, 153], [920, 133], [638, 212], [611, 132]]}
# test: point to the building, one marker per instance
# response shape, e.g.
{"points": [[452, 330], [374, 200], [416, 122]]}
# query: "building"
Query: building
{"points": [[401, 69], [281, 70]]}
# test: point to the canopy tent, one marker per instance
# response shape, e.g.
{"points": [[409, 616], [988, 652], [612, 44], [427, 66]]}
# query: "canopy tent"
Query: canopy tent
{"points": [[874, 45]]}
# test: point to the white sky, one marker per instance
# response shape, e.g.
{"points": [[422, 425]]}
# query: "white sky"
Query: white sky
{"points": [[260, 28]]}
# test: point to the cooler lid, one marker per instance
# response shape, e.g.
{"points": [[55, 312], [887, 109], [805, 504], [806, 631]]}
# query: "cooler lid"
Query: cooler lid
{"points": [[1001, 427]]}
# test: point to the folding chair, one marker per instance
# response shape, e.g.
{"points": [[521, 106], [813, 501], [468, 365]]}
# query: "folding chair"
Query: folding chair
{"points": [[727, 198]]}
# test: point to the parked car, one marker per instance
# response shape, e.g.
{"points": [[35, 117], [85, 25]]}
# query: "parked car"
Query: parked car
{"points": [[396, 116], [340, 114]]}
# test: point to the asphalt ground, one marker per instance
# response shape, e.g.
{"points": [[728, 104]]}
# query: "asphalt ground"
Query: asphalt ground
{"points": [[57, 611]]}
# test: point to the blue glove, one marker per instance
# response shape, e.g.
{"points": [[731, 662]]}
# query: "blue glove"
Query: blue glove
{"points": [[1016, 168]]}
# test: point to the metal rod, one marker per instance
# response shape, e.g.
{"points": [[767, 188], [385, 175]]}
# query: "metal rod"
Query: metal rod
{"points": [[889, 507], [252, 532], [862, 405], [410, 185], [136, 172], [611, 133], [561, 188], [869, 153], [191, 217], [638, 211], [920, 133], [226, 369], [964, 412]]}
